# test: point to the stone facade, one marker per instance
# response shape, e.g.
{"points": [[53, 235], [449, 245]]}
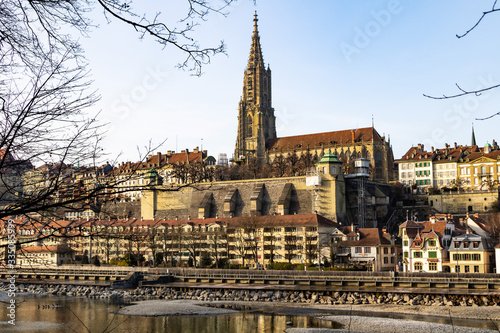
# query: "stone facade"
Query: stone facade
{"points": [[463, 202]]}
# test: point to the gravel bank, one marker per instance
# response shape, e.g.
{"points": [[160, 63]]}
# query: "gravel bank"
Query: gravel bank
{"points": [[351, 324], [172, 308]]}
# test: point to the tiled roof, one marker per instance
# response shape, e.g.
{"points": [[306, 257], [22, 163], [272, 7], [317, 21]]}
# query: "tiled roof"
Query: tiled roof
{"points": [[417, 242], [160, 160], [326, 139], [368, 237], [45, 249], [493, 155], [442, 155], [261, 221]]}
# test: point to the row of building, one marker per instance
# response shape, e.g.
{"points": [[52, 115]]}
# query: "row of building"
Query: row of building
{"points": [[441, 244], [20, 179], [460, 167]]}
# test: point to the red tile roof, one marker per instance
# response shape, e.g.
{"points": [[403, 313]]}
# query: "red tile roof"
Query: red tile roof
{"points": [[326, 139], [368, 237], [45, 249]]}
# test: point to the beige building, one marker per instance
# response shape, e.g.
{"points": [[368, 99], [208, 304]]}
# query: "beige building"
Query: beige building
{"points": [[470, 253], [44, 256], [250, 241]]}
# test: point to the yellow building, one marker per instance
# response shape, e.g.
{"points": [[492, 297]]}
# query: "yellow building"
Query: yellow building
{"points": [[480, 170]]}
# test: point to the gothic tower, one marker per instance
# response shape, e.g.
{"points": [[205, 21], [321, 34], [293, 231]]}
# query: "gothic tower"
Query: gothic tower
{"points": [[256, 120]]}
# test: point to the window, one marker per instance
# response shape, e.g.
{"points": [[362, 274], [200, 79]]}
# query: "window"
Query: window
{"points": [[433, 266], [417, 254], [432, 242], [405, 254], [476, 269], [386, 261], [466, 269], [418, 266], [457, 269], [475, 244], [357, 250], [386, 250], [405, 243], [432, 254], [368, 249]]}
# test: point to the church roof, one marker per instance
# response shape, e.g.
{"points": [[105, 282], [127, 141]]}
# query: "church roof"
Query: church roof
{"points": [[326, 139]]}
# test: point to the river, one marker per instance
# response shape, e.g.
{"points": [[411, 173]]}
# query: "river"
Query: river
{"points": [[79, 314]]}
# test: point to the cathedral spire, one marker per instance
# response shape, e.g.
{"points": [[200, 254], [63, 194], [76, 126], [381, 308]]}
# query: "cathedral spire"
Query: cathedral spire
{"points": [[255, 59]]}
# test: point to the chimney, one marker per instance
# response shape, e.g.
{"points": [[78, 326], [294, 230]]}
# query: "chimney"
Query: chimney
{"points": [[455, 145], [196, 150], [352, 136], [159, 158]]}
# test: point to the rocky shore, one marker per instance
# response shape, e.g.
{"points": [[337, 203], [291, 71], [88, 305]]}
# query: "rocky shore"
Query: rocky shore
{"points": [[309, 297]]}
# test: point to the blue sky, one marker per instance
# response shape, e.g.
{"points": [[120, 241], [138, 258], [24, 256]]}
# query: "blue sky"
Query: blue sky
{"points": [[334, 65]]}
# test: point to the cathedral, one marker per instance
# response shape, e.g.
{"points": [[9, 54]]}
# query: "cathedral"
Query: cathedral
{"points": [[257, 128]]}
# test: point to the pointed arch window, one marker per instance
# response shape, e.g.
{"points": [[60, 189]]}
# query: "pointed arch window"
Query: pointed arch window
{"points": [[249, 126]]}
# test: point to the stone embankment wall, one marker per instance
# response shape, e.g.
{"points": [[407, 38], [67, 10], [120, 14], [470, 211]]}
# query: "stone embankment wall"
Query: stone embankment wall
{"points": [[258, 296]]}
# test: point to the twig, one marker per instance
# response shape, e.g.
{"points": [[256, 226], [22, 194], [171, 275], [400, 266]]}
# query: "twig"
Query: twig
{"points": [[74, 314], [489, 117], [493, 9]]}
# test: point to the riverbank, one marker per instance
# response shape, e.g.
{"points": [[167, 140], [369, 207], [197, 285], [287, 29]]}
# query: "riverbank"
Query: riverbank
{"points": [[347, 316], [364, 312], [256, 295]]}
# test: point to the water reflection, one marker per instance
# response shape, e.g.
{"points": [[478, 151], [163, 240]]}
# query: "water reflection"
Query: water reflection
{"points": [[57, 314]]}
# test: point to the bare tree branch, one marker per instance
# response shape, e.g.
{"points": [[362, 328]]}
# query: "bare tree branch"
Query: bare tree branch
{"points": [[493, 9], [476, 92]]}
